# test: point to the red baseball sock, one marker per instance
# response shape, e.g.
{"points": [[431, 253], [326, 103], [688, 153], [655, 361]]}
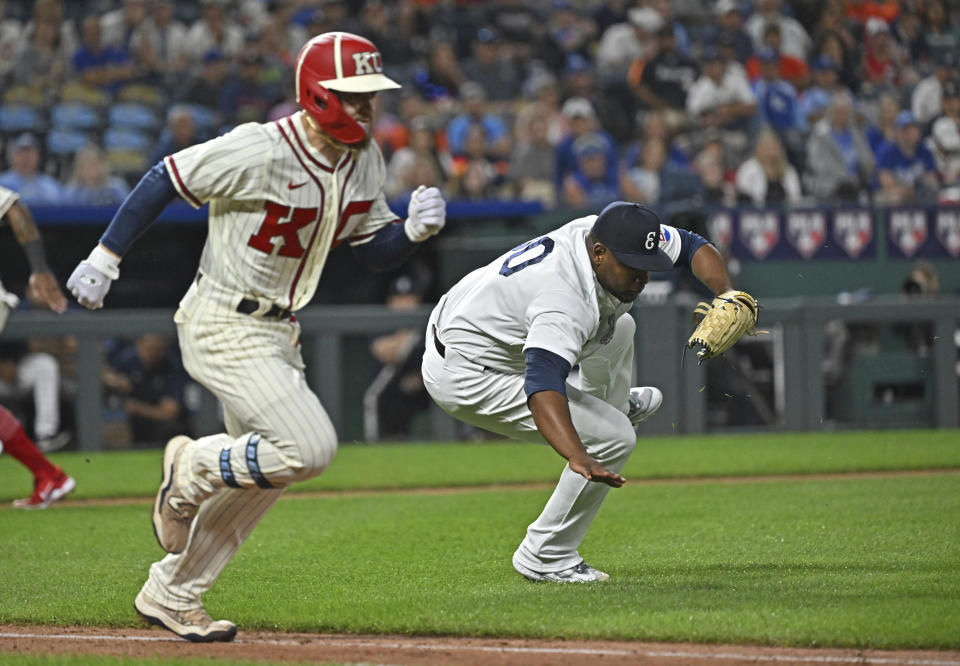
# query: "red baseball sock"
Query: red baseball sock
{"points": [[21, 447]]}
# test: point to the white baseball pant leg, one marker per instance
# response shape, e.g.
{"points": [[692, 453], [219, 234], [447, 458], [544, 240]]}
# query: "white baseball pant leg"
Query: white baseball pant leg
{"points": [[277, 433], [496, 401], [40, 372]]}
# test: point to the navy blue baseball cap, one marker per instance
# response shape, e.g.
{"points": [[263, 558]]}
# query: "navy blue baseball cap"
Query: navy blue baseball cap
{"points": [[631, 231]]}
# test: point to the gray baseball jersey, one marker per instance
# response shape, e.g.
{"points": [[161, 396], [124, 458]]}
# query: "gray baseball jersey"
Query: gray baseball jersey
{"points": [[542, 294]]}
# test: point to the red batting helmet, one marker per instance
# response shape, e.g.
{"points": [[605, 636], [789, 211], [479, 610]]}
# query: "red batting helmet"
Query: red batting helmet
{"points": [[341, 62]]}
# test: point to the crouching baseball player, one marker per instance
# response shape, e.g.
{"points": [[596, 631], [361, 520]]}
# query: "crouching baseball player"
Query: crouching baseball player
{"points": [[501, 343], [281, 195]]}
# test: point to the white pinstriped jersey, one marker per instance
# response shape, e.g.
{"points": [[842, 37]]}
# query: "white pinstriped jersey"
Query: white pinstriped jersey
{"points": [[7, 199], [542, 294], [277, 207]]}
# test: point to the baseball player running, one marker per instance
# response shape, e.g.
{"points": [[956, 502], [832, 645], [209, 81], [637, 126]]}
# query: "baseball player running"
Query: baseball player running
{"points": [[281, 194], [501, 343], [50, 483]]}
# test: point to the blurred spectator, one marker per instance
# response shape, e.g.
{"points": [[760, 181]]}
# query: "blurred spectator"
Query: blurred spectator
{"points": [[721, 97], [777, 103], [863, 10], [710, 165], [654, 128], [614, 111], [474, 104], [767, 178], [492, 66], [826, 83], [790, 68], [885, 127], [409, 165], [661, 84], [833, 44], [150, 382], [42, 62], [667, 12], [927, 95], [161, 43], [396, 394], [442, 77], [51, 12], [392, 128], [940, 36], [91, 183], [567, 32], [883, 59], [908, 31], [906, 169], [794, 38], [207, 84], [582, 120], [589, 185], [100, 66], [641, 183], [622, 43], [839, 159], [118, 26], [476, 175], [180, 133], [532, 162], [728, 31], [247, 97], [944, 138], [382, 24], [543, 88], [24, 176], [214, 30], [11, 41], [287, 35]]}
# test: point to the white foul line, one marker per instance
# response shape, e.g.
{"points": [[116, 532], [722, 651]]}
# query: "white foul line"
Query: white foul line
{"points": [[606, 652]]}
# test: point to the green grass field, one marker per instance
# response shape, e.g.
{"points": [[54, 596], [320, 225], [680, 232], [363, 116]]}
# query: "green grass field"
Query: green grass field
{"points": [[856, 562]]}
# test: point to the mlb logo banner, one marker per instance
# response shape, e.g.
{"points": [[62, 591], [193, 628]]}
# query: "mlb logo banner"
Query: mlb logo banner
{"points": [[853, 233], [946, 228], [807, 232], [758, 234], [907, 232], [720, 229]]}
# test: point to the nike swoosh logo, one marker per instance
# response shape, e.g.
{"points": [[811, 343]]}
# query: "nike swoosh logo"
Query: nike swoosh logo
{"points": [[291, 186]]}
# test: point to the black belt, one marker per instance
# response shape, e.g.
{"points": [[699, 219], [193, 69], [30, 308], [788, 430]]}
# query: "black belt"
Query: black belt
{"points": [[441, 349], [248, 306]]}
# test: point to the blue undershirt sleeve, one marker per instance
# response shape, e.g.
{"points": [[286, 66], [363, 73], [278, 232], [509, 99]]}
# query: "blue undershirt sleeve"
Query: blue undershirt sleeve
{"points": [[388, 248], [690, 242], [545, 371], [139, 210]]}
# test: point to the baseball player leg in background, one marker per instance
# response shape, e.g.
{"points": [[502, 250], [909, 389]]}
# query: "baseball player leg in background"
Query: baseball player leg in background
{"points": [[599, 415]]}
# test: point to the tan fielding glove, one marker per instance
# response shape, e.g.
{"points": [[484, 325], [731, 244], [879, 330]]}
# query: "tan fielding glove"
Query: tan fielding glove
{"points": [[722, 322]]}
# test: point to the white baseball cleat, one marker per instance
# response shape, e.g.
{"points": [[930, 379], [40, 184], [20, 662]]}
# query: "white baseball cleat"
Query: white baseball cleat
{"points": [[644, 401], [578, 573], [172, 512], [193, 625]]}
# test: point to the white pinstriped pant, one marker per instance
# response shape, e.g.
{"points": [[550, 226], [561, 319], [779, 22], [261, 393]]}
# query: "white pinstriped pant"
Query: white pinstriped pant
{"points": [[496, 401], [254, 367]]}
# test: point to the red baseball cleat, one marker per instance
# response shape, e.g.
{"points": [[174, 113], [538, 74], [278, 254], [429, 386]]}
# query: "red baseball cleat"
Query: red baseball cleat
{"points": [[46, 491]]}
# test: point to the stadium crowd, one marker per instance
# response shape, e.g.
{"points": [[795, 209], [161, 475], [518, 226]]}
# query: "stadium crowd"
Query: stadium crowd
{"points": [[571, 103]]}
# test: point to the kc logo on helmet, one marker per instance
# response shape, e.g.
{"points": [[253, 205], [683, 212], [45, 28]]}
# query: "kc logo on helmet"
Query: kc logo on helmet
{"points": [[367, 62]]}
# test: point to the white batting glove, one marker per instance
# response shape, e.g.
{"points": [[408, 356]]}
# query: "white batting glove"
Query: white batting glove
{"points": [[90, 280], [426, 214]]}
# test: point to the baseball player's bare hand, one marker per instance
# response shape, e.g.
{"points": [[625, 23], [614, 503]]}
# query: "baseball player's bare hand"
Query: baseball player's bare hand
{"points": [[44, 291], [591, 470], [426, 214]]}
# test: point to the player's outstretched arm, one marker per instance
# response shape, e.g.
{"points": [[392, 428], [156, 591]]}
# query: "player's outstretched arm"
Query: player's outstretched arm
{"points": [[43, 289], [551, 413], [709, 267], [91, 279]]}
